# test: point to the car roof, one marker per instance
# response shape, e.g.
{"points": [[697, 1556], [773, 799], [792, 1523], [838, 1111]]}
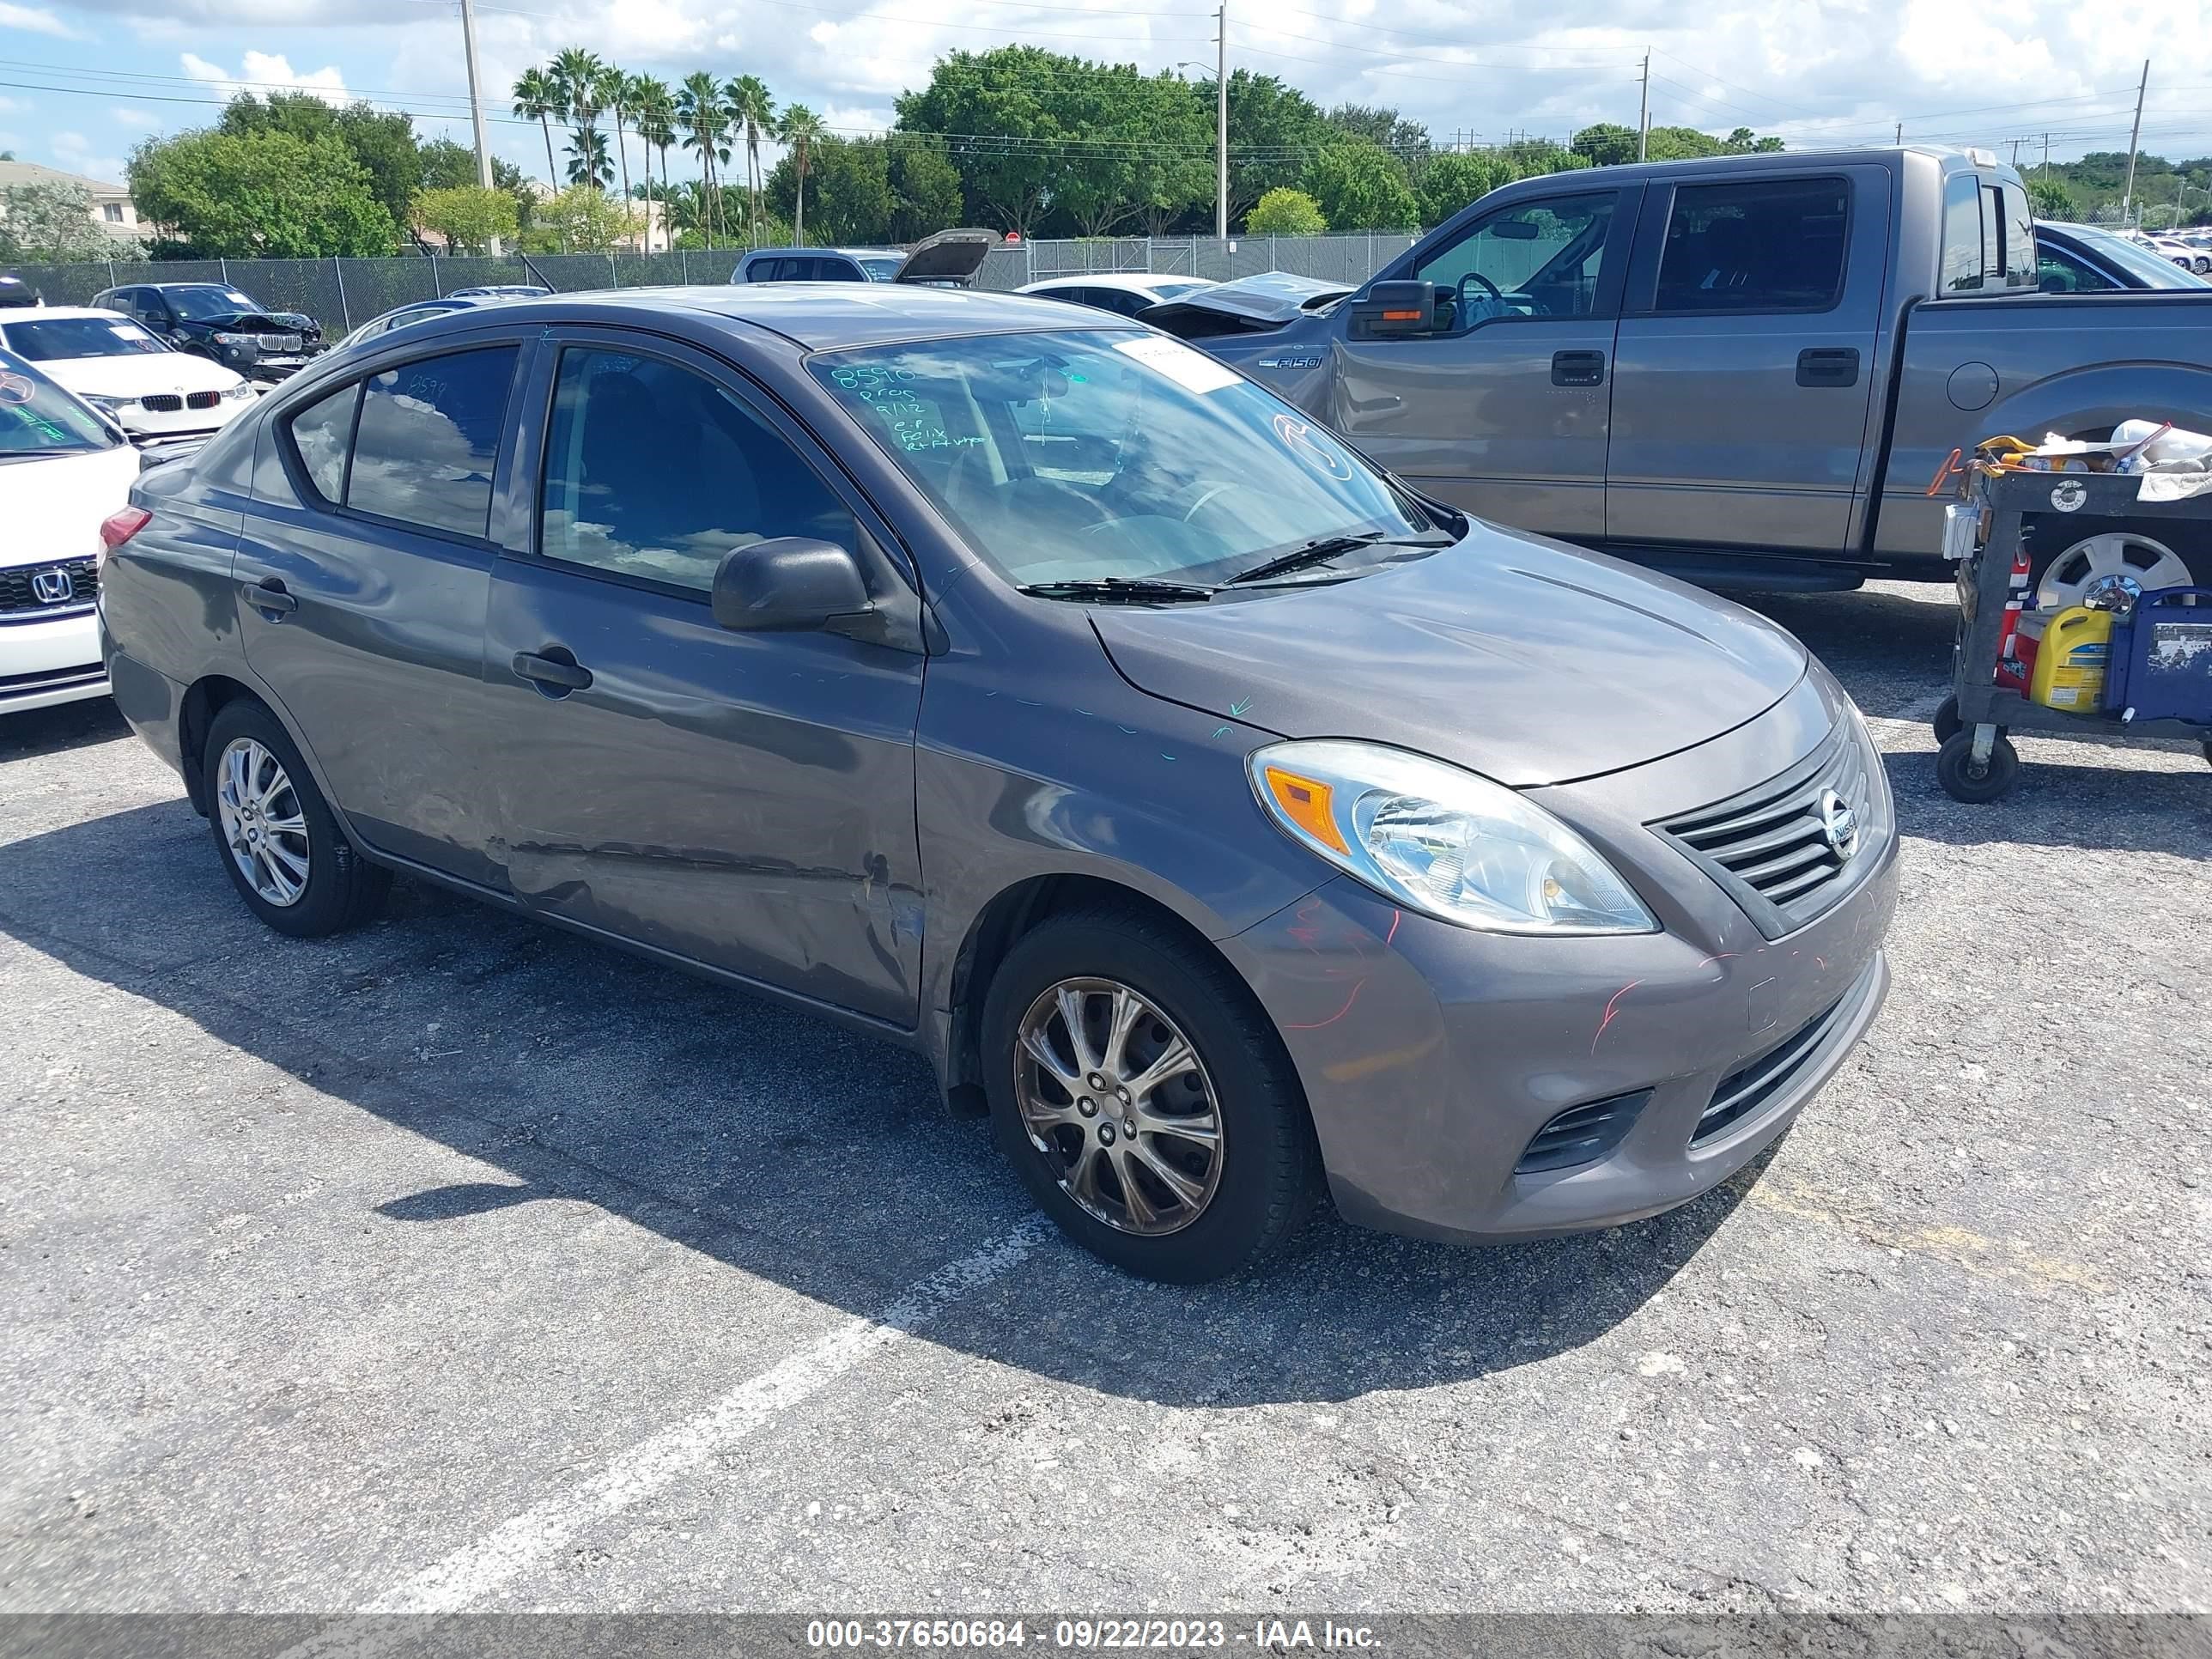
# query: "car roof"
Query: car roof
{"points": [[815, 316], [34, 313], [851, 252], [1131, 281]]}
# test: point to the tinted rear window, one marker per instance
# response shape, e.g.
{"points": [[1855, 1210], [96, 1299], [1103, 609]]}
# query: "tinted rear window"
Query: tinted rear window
{"points": [[1771, 246], [427, 440]]}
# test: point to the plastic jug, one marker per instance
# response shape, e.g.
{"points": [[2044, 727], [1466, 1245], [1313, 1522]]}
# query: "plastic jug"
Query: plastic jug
{"points": [[2070, 662]]}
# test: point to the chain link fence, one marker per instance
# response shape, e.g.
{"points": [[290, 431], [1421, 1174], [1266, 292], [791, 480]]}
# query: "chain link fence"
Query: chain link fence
{"points": [[342, 293]]}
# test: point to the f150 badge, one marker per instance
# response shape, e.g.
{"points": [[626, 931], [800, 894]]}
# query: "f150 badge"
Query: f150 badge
{"points": [[1307, 361]]}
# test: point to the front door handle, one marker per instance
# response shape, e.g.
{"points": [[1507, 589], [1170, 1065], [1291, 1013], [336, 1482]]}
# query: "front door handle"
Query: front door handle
{"points": [[1828, 365], [268, 596], [551, 674], [1578, 368]]}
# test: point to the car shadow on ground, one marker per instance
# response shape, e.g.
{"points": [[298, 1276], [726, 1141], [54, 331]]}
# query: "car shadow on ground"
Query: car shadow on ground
{"points": [[65, 725], [782, 1145]]}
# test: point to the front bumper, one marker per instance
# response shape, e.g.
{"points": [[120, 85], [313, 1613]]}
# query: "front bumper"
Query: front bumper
{"points": [[1432, 1054], [49, 660], [149, 426]]}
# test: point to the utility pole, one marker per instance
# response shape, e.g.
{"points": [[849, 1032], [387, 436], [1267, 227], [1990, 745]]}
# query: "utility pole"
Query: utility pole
{"points": [[2045, 174], [2134, 138], [1901, 132], [476, 100], [1644, 119], [1221, 125]]}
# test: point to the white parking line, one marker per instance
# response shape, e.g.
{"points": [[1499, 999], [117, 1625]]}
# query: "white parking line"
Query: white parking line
{"points": [[465, 1577]]}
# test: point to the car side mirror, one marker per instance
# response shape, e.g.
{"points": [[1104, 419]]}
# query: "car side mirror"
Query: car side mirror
{"points": [[1394, 308], [789, 583]]}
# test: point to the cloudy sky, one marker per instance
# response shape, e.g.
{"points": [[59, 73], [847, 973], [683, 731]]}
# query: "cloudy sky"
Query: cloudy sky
{"points": [[81, 83]]}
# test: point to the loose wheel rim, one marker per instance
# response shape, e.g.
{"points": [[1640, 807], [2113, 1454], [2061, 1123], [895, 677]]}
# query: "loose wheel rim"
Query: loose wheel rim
{"points": [[1114, 1096], [2117, 558], [264, 824]]}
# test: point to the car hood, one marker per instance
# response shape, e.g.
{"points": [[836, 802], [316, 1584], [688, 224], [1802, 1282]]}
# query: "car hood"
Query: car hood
{"points": [[141, 372], [1527, 661], [53, 507], [1267, 300], [254, 322]]}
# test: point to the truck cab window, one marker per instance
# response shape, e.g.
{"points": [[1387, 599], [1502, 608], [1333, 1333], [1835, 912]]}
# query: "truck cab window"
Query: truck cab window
{"points": [[1771, 246], [1539, 258], [1963, 268]]}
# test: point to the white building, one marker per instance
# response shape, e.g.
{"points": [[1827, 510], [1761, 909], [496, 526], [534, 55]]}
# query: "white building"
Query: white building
{"points": [[112, 209]]}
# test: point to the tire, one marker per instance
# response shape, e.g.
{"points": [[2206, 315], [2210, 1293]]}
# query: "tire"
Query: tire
{"points": [[1954, 763], [1946, 722], [279, 827], [1257, 1182], [2069, 555]]}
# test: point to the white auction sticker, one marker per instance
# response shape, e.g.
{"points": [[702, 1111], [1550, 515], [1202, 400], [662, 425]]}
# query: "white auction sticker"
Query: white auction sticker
{"points": [[1185, 366]]}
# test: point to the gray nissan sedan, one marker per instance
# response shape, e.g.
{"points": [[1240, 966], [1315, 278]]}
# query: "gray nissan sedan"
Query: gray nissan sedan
{"points": [[1227, 821]]}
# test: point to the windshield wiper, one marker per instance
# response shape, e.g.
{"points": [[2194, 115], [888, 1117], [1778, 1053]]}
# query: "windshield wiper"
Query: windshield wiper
{"points": [[1134, 589]]}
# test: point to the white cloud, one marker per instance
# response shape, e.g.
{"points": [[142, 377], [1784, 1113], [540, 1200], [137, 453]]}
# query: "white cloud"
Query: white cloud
{"points": [[13, 105], [137, 119], [35, 20], [73, 153], [265, 72]]}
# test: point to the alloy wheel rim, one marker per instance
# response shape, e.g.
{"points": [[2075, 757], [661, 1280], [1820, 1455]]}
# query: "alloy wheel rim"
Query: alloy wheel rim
{"points": [[2117, 558], [264, 824], [1114, 1096]]}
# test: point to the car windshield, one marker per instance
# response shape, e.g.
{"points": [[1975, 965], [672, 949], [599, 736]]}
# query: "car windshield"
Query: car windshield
{"points": [[1090, 455], [52, 338], [198, 303], [881, 267], [2149, 266], [37, 418]]}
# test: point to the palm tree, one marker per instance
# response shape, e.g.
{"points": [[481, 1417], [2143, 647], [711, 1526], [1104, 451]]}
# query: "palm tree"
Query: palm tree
{"points": [[576, 75], [536, 98], [752, 115], [699, 113], [800, 129], [587, 158], [654, 107], [613, 94]]}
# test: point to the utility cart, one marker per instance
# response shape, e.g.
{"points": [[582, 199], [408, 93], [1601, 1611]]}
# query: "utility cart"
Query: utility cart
{"points": [[2158, 679]]}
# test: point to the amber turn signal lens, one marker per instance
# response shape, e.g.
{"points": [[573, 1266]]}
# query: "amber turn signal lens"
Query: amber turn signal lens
{"points": [[1305, 802]]}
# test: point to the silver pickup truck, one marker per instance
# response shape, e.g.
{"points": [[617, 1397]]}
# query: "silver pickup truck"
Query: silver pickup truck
{"points": [[1743, 370]]}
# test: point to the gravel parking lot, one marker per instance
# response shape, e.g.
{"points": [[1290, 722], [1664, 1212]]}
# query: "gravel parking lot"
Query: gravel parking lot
{"points": [[460, 1264]]}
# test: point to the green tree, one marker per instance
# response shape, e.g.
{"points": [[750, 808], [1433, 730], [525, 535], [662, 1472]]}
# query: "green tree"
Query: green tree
{"points": [[267, 194], [1014, 106], [382, 142], [1361, 186], [853, 197], [1274, 130], [1286, 213], [1456, 178], [1606, 144], [537, 98], [1379, 123], [579, 77], [700, 117], [614, 98], [656, 124], [469, 216], [801, 131], [2050, 199], [587, 150], [924, 189], [582, 219], [54, 224], [1744, 141]]}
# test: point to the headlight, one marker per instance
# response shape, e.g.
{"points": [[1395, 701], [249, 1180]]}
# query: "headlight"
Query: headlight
{"points": [[235, 339], [1443, 842], [241, 393], [112, 405]]}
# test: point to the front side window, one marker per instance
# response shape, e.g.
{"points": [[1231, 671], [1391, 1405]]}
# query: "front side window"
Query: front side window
{"points": [[654, 471], [37, 418], [1771, 246], [2060, 272], [1963, 268], [54, 337], [427, 440], [1086, 453], [1539, 258]]}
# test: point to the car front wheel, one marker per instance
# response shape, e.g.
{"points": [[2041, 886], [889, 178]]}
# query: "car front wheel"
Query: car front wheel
{"points": [[1144, 1099], [280, 843]]}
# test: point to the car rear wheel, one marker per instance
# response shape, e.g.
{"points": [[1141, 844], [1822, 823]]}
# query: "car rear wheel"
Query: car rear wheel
{"points": [[1145, 1100], [282, 847]]}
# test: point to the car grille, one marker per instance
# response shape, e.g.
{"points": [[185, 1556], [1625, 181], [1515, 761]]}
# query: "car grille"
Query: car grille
{"points": [[18, 601], [161, 402], [15, 686], [202, 400], [1760, 1083], [277, 342], [1770, 846]]}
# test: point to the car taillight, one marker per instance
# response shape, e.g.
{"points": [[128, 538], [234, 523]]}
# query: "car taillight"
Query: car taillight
{"points": [[118, 528]]}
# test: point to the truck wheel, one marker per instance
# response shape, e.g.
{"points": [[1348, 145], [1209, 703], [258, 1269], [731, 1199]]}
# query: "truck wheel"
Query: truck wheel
{"points": [[1954, 769]]}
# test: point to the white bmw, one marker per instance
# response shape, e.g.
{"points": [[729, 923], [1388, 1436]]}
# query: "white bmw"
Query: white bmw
{"points": [[157, 393], [64, 471]]}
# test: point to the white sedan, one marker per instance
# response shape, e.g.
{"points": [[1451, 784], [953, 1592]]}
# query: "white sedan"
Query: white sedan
{"points": [[156, 392], [64, 471], [1125, 293]]}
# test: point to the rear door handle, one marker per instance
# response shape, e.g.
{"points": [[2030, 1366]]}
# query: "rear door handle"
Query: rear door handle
{"points": [[268, 596], [1578, 368], [1828, 365], [557, 678]]}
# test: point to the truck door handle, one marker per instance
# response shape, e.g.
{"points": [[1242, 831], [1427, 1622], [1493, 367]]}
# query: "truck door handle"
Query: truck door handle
{"points": [[549, 674], [268, 596], [1828, 365], [1578, 368]]}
